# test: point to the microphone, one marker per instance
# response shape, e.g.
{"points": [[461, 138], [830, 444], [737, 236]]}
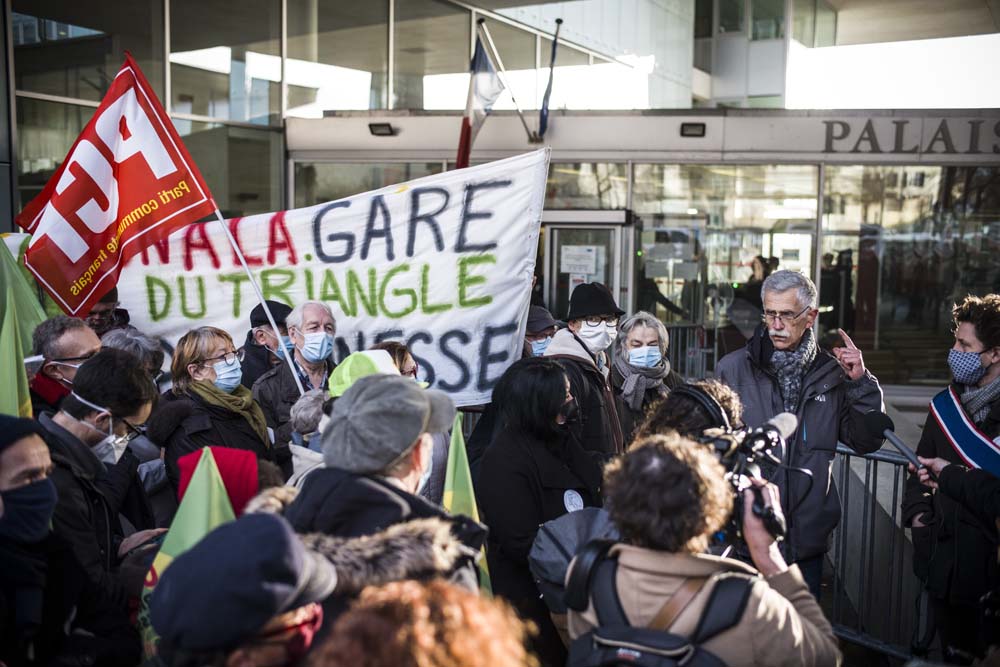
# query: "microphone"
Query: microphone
{"points": [[880, 425]]}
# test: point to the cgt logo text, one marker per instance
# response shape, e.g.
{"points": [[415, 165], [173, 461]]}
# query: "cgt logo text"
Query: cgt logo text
{"points": [[88, 189], [945, 136]]}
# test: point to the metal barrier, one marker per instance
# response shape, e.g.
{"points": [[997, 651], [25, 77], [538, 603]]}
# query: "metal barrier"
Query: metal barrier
{"points": [[874, 589]]}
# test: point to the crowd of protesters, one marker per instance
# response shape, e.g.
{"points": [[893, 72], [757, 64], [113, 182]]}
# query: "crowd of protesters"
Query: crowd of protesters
{"points": [[341, 552]]}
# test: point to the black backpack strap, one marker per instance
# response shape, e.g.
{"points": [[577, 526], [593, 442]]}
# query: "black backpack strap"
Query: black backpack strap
{"points": [[725, 606], [583, 571]]}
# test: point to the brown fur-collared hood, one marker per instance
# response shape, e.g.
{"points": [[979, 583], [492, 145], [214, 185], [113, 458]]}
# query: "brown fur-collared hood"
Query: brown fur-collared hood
{"points": [[415, 549]]}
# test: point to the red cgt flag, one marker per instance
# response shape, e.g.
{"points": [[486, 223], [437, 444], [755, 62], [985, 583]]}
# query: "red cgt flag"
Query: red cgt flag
{"points": [[127, 183]]}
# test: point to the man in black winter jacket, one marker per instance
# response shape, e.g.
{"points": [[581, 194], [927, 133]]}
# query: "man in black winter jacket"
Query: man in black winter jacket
{"points": [[955, 547], [580, 350], [377, 451], [783, 370], [51, 612], [112, 397]]}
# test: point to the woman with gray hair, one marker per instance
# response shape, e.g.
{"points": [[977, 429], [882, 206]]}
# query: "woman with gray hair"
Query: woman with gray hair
{"points": [[640, 371]]}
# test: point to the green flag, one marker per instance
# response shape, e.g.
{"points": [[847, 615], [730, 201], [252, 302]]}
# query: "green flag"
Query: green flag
{"points": [[20, 313], [204, 507], [459, 497]]}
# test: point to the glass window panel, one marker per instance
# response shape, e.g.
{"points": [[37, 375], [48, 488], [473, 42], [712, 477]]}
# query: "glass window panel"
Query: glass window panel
{"points": [[714, 220], [74, 49], [337, 56], [901, 245], [764, 102], [803, 21], [319, 182], [731, 15], [826, 24], [45, 133], [768, 19], [586, 185], [702, 18], [242, 166], [517, 51], [431, 51], [225, 68]]}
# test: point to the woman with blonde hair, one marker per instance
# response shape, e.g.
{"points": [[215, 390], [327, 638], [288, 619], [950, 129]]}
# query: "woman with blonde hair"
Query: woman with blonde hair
{"points": [[207, 404]]}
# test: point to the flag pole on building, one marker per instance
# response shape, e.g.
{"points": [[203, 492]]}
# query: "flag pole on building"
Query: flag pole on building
{"points": [[260, 296], [503, 74], [543, 114]]}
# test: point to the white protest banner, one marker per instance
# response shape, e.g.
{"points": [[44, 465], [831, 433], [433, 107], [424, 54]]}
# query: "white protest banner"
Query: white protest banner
{"points": [[443, 263]]}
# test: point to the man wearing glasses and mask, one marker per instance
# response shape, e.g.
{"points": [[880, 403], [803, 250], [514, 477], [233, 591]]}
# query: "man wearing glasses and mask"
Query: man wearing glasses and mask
{"points": [[63, 343], [781, 369], [111, 400], [581, 350]]}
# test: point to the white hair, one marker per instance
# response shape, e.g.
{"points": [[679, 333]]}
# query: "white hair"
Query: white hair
{"points": [[642, 319], [294, 318], [782, 281]]}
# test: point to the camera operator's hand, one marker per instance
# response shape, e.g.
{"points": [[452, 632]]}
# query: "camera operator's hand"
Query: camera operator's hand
{"points": [[763, 547]]}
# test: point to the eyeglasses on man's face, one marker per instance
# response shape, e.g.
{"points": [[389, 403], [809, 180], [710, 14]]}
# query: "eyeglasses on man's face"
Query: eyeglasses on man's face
{"points": [[784, 316]]}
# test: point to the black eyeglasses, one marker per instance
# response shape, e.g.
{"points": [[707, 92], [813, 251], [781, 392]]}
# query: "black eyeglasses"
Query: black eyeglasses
{"points": [[85, 357], [228, 357], [134, 431], [594, 321]]}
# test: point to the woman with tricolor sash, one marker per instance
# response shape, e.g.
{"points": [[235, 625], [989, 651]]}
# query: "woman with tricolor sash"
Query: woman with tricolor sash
{"points": [[955, 549]]}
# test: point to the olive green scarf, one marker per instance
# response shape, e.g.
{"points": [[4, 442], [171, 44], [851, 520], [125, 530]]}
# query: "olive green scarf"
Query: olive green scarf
{"points": [[241, 401]]}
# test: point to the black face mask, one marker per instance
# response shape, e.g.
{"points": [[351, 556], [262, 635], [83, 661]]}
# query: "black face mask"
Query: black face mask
{"points": [[27, 511], [570, 411]]}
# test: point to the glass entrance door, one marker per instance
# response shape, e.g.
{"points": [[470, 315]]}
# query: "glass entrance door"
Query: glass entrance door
{"points": [[585, 247]]}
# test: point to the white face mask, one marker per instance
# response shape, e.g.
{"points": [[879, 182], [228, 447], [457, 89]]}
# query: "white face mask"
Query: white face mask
{"points": [[597, 337], [111, 447]]}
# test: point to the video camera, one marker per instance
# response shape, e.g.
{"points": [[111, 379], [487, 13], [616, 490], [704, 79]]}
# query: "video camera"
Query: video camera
{"points": [[752, 453], [745, 453]]}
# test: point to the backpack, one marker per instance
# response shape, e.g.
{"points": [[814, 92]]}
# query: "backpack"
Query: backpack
{"points": [[555, 545], [614, 642]]}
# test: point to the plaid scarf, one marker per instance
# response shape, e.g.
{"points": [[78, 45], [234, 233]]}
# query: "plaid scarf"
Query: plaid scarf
{"points": [[979, 400], [791, 366]]}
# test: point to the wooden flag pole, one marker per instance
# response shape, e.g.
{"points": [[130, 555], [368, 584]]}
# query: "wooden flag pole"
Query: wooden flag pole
{"points": [[260, 297]]}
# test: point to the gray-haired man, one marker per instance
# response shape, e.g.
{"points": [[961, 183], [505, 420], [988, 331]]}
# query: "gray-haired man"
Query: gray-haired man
{"points": [[782, 370]]}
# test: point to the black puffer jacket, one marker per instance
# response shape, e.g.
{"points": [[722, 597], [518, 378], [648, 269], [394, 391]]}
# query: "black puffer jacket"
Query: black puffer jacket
{"points": [[955, 552], [831, 408], [185, 424], [52, 610]]}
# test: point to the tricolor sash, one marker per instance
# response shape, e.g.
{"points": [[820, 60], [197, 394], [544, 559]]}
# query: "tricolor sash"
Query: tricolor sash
{"points": [[973, 446]]}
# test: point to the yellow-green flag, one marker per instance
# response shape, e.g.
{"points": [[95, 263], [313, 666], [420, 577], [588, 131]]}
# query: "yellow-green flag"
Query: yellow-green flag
{"points": [[459, 497], [20, 313], [204, 507]]}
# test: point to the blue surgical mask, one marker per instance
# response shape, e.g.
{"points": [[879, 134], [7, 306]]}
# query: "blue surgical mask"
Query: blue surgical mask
{"points": [[286, 347], [645, 357], [966, 367], [318, 346], [27, 511], [228, 376], [538, 347]]}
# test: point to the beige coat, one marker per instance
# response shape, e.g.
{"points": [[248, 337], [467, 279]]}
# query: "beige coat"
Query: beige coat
{"points": [[782, 623]]}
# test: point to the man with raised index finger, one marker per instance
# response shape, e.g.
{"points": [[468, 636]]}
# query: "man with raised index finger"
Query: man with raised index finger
{"points": [[782, 370]]}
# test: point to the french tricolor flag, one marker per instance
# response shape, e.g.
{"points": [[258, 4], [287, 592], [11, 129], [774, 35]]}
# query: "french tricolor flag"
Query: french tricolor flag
{"points": [[485, 87]]}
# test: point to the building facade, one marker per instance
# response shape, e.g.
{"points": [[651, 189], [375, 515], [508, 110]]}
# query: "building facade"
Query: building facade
{"points": [[895, 213]]}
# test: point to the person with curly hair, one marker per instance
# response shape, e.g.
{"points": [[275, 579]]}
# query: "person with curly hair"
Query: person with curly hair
{"points": [[667, 495], [434, 624], [684, 414]]}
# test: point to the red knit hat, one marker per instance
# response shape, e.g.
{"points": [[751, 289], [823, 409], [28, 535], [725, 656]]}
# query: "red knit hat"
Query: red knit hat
{"points": [[238, 468]]}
